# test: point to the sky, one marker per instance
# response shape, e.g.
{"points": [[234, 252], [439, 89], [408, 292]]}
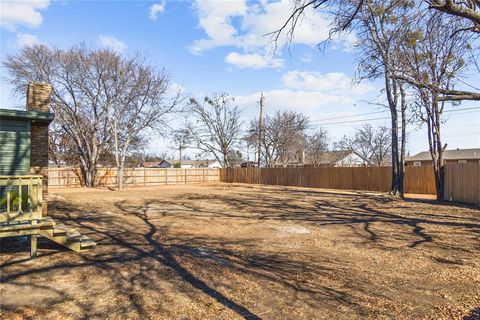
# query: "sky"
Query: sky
{"points": [[222, 46]]}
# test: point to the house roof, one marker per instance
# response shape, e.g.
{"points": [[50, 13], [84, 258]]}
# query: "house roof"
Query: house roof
{"points": [[458, 154], [147, 164], [332, 157], [27, 115], [192, 162]]}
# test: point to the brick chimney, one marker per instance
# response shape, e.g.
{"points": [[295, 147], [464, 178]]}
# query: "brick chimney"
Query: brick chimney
{"points": [[38, 99], [38, 96]]}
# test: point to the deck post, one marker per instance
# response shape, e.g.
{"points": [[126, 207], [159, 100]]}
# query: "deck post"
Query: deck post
{"points": [[33, 246]]}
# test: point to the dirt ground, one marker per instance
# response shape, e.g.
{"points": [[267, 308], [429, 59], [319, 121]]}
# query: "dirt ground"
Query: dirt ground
{"points": [[255, 252]]}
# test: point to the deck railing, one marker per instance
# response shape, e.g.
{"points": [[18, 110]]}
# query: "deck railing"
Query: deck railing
{"points": [[20, 198]]}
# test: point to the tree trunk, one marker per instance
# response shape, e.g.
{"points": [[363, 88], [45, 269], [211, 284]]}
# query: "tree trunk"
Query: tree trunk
{"points": [[395, 187], [121, 166], [120, 177], [439, 181], [392, 98], [441, 166], [435, 143], [440, 176], [401, 163], [88, 173]]}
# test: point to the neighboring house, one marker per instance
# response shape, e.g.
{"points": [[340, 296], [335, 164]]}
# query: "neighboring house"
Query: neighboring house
{"points": [[152, 164], [450, 156], [248, 164], [187, 164], [214, 164], [338, 158]]}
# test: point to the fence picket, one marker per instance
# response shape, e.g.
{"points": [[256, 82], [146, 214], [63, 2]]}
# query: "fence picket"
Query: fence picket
{"points": [[107, 177]]}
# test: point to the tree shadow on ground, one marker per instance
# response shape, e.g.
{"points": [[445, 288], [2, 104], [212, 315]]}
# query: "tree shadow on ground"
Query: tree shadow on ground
{"points": [[353, 210], [153, 254], [144, 242], [474, 314]]}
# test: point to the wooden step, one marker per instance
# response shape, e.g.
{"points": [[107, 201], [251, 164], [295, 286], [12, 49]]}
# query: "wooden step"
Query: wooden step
{"points": [[48, 228], [86, 243], [60, 230], [67, 237], [74, 235]]}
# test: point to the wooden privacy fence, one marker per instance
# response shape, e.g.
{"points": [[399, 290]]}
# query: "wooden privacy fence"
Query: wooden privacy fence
{"points": [[419, 180], [462, 182], [107, 177]]}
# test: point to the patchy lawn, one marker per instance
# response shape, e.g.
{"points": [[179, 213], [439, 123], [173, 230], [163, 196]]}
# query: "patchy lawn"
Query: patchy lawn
{"points": [[241, 251]]}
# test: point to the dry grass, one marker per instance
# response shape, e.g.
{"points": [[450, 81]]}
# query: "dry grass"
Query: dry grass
{"points": [[241, 251]]}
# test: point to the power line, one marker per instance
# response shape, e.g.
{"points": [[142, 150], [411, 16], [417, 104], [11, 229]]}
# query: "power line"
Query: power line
{"points": [[350, 116], [382, 118], [462, 109], [376, 112], [351, 121]]}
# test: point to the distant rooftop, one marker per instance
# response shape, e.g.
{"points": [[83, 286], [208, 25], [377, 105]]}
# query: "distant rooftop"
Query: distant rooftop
{"points": [[456, 154], [192, 162], [330, 157]]}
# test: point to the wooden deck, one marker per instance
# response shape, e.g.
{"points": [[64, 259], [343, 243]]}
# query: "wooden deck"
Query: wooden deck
{"points": [[21, 215]]}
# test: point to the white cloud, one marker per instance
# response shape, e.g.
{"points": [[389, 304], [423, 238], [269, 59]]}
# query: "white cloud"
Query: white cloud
{"points": [[25, 39], [298, 100], [307, 91], [112, 43], [215, 18], [25, 13], [245, 25], [311, 29], [155, 9], [254, 60], [331, 82]]}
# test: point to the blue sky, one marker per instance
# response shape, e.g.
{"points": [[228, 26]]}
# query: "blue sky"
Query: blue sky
{"points": [[219, 46]]}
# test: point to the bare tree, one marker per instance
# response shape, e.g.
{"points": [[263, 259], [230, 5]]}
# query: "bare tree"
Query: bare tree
{"points": [[61, 149], [347, 13], [379, 46], [345, 143], [283, 137], [375, 141], [103, 102], [317, 144], [141, 101], [372, 143], [434, 58], [216, 126], [235, 157], [181, 140], [466, 9], [251, 139], [287, 129], [79, 97], [376, 24], [268, 143]]}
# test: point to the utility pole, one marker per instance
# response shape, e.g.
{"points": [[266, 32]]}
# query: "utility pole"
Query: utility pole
{"points": [[260, 130]]}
